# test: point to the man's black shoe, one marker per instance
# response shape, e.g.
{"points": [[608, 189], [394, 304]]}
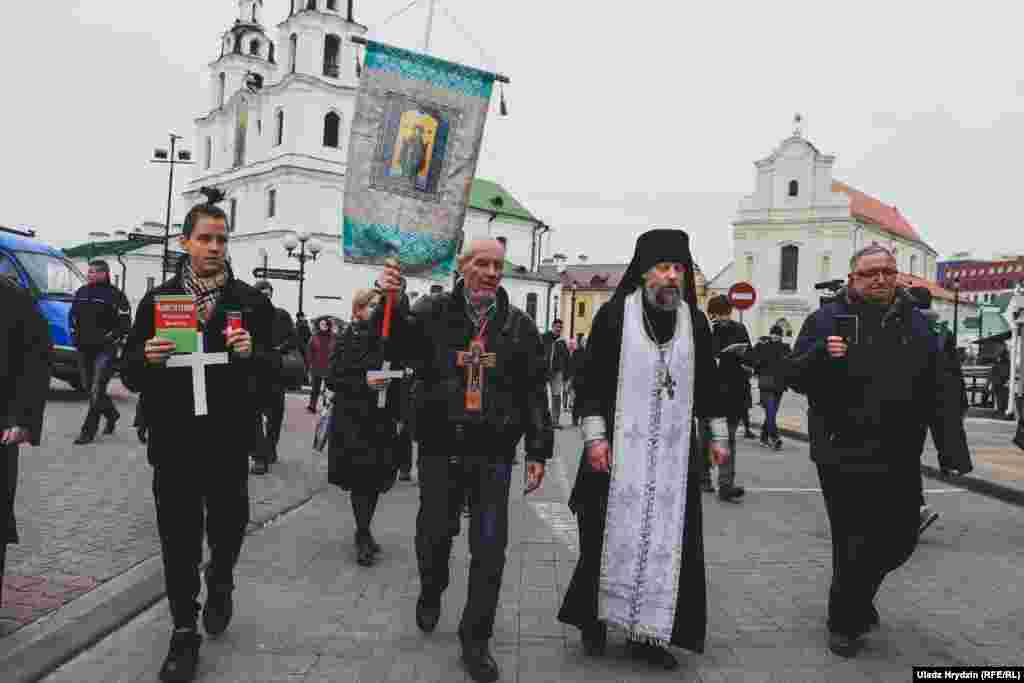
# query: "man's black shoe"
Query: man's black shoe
{"points": [[259, 467], [655, 655], [479, 663], [112, 423], [843, 645], [731, 494], [182, 657], [404, 476], [595, 640], [143, 434], [217, 611], [374, 546], [84, 438], [749, 434], [364, 551], [273, 454], [427, 615]]}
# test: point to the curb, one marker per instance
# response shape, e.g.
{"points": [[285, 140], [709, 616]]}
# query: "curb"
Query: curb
{"points": [[48, 644], [1007, 494]]}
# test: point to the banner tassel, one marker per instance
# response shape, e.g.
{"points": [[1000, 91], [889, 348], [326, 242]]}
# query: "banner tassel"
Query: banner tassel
{"points": [[503, 109]]}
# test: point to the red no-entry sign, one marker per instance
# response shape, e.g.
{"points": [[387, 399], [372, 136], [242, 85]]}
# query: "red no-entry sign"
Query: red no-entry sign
{"points": [[742, 296]]}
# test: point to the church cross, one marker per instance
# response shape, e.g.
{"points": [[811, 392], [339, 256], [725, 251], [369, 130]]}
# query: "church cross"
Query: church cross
{"points": [[475, 359], [667, 383], [198, 362]]}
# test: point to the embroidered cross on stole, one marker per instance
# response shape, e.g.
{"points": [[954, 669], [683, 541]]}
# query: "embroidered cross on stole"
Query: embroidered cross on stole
{"points": [[475, 359]]}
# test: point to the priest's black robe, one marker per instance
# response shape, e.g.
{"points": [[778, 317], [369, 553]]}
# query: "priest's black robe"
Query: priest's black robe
{"points": [[596, 395]]}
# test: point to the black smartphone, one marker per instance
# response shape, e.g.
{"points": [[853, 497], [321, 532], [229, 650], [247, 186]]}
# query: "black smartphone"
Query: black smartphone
{"points": [[847, 327]]}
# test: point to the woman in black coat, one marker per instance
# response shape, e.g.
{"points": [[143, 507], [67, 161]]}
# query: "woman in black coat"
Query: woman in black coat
{"points": [[366, 446]]}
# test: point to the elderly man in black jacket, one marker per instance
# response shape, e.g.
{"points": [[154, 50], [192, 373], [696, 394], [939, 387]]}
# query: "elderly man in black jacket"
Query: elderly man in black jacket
{"points": [[482, 366], [24, 381], [874, 382], [100, 318], [200, 461]]}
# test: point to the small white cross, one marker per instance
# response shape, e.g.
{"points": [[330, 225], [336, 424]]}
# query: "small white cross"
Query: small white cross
{"points": [[385, 372], [198, 362]]}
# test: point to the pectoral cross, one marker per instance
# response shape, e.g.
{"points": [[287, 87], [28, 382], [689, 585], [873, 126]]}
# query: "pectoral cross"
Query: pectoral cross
{"points": [[385, 372], [475, 359], [198, 362], [666, 382]]}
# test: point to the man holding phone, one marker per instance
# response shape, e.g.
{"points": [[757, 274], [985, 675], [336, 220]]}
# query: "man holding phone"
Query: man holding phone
{"points": [[875, 378]]}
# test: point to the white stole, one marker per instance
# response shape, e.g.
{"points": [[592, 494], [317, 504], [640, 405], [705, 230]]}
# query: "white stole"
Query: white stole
{"points": [[642, 553]]}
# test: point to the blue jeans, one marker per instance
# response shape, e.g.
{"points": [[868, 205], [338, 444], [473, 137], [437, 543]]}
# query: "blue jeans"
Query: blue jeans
{"points": [[96, 370], [771, 400]]}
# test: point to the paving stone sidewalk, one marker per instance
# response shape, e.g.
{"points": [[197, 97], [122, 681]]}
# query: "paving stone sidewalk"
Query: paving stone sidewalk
{"points": [[306, 611]]}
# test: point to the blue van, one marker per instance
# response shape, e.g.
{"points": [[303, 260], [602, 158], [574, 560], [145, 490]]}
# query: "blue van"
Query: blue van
{"points": [[53, 280]]}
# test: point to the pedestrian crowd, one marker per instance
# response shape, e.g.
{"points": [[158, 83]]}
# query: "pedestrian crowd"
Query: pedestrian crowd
{"points": [[658, 388]]}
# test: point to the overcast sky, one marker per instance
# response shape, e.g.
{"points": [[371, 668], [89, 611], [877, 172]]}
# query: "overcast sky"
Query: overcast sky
{"points": [[623, 115]]}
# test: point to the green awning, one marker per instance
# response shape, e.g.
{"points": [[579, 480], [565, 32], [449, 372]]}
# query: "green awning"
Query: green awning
{"points": [[91, 250]]}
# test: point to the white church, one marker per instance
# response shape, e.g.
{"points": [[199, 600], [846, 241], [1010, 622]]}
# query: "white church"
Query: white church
{"points": [[800, 227], [273, 137]]}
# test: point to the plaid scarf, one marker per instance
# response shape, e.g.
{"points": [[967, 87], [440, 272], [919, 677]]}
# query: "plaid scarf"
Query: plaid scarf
{"points": [[205, 291]]}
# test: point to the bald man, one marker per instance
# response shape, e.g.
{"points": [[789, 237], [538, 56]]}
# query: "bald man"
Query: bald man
{"points": [[482, 368]]}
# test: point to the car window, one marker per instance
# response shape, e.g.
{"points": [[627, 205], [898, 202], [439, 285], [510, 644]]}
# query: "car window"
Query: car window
{"points": [[8, 269]]}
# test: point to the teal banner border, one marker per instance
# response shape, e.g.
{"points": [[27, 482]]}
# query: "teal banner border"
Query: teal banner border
{"points": [[437, 72], [415, 250]]}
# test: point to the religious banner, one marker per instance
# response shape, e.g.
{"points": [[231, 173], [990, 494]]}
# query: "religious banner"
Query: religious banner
{"points": [[412, 157]]}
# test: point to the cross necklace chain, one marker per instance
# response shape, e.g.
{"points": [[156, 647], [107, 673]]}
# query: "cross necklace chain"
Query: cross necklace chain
{"points": [[666, 383]]}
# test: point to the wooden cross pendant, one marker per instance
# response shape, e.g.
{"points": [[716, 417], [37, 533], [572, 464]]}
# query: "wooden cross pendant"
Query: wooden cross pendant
{"points": [[475, 359]]}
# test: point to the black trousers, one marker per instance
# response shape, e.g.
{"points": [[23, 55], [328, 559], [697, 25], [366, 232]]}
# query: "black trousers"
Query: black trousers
{"points": [[8, 489], [874, 517], [273, 412], [444, 485], [96, 370], [187, 503]]}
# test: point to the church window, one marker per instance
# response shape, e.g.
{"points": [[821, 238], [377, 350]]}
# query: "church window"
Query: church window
{"points": [[254, 48], [222, 88], [332, 47], [259, 127], [582, 312], [271, 203], [826, 267], [750, 268], [790, 265], [332, 124], [794, 188], [332, 4], [279, 139], [913, 264], [531, 305], [293, 46], [208, 153], [233, 213], [240, 134], [270, 53], [311, 4]]}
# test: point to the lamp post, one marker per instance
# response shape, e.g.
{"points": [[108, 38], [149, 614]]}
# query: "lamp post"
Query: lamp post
{"points": [[572, 312], [299, 241], [161, 156], [956, 310]]}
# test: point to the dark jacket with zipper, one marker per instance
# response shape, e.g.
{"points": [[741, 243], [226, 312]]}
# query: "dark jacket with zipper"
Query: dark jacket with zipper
{"points": [[872, 408], [225, 436], [734, 378], [768, 360], [429, 337], [100, 316]]}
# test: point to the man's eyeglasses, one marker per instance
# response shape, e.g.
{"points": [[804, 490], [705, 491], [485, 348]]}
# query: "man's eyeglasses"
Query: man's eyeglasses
{"points": [[886, 273]]}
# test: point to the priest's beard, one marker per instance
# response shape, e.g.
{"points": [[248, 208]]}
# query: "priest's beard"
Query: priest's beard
{"points": [[663, 298]]}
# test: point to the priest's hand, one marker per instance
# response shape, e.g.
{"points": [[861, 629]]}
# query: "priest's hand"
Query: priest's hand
{"points": [[836, 346], [719, 453], [534, 476], [14, 436], [390, 279], [158, 350], [240, 342], [599, 455]]}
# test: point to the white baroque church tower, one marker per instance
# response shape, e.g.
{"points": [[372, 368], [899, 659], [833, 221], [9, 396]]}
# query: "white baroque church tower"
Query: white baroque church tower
{"points": [[274, 140]]}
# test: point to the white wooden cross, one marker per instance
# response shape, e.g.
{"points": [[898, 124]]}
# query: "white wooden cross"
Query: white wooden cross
{"points": [[385, 372], [198, 362]]}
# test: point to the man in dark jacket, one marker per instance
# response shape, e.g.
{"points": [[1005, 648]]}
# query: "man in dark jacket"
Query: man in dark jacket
{"points": [[729, 343], [100, 318], [482, 365], [283, 340], [556, 353], [874, 399], [200, 461], [767, 359], [24, 381]]}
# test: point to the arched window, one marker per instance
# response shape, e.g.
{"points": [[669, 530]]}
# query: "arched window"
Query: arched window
{"points": [[270, 53], [311, 4], [332, 47], [750, 268], [789, 268], [913, 264], [254, 47], [582, 312], [234, 212], [271, 203], [531, 305], [794, 188], [293, 51], [279, 133], [222, 85], [332, 124], [332, 4], [208, 153], [240, 134]]}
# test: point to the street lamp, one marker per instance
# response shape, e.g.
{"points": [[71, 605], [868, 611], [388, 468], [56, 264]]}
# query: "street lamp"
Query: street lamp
{"points": [[572, 312], [161, 156], [956, 310], [300, 240]]}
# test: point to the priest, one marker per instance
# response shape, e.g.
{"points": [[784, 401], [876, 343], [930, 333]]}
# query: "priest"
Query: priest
{"points": [[647, 377]]}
